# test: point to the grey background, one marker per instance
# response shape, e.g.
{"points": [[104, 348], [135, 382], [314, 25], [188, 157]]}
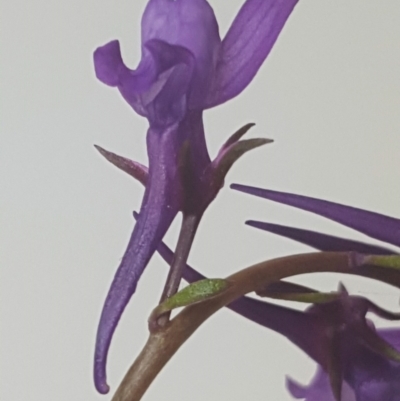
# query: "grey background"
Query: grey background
{"points": [[329, 95]]}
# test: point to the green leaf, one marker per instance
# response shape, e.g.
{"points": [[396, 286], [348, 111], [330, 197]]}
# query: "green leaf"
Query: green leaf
{"points": [[391, 261], [197, 292]]}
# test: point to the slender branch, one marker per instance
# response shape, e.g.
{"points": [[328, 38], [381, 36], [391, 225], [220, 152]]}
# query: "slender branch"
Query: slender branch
{"points": [[186, 236], [163, 344]]}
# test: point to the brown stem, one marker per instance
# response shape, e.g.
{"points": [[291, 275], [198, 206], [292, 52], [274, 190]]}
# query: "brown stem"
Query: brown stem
{"points": [[163, 344], [185, 240]]}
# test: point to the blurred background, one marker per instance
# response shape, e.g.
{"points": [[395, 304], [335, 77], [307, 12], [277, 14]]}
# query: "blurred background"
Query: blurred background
{"points": [[329, 95]]}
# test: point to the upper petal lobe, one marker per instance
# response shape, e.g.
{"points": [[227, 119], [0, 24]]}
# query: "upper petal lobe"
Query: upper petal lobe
{"points": [[246, 45]]}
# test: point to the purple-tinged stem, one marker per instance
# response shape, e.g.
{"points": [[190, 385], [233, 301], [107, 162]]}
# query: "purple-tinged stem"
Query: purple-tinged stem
{"points": [[190, 222]]}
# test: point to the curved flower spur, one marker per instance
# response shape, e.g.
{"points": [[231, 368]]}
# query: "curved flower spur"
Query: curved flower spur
{"points": [[185, 68]]}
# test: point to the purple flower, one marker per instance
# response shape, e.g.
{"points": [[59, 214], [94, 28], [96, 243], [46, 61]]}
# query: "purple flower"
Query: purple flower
{"points": [[185, 68], [373, 377], [383, 383]]}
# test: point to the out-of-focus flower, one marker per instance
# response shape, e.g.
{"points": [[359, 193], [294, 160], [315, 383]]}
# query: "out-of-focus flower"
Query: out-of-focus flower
{"points": [[368, 363], [372, 377], [185, 68], [381, 385]]}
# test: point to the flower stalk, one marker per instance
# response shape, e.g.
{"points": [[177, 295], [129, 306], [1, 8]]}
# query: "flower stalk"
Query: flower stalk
{"points": [[186, 237]]}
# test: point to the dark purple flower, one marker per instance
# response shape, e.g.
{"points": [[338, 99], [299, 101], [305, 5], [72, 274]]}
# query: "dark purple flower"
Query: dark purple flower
{"points": [[382, 386], [374, 379], [185, 68]]}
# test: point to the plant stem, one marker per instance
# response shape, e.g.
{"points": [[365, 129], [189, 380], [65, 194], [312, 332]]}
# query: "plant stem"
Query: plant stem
{"points": [[186, 236]]}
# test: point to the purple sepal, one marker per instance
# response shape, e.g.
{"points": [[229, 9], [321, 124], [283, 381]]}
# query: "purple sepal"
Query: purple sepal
{"points": [[322, 242], [375, 225], [134, 169], [246, 45]]}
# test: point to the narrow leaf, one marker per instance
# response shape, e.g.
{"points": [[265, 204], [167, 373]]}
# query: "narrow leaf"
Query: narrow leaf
{"points": [[320, 241], [375, 225]]}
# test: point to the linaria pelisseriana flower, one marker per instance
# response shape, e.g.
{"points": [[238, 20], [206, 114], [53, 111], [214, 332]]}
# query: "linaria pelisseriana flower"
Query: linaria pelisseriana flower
{"points": [[372, 377], [185, 68], [381, 378]]}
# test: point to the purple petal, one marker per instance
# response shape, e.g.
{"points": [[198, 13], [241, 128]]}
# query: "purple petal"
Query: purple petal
{"points": [[322, 242], [191, 25], [375, 225], [166, 101], [377, 381], [392, 336], [157, 88], [296, 389], [319, 389], [378, 389], [246, 46], [160, 206], [108, 63], [111, 70]]}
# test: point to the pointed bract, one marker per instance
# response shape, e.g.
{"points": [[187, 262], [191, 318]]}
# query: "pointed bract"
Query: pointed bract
{"points": [[134, 169]]}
